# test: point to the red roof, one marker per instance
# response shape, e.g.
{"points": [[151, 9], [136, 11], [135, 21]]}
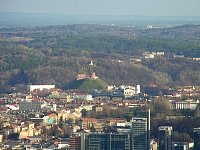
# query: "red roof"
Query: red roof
{"points": [[3, 109], [88, 119]]}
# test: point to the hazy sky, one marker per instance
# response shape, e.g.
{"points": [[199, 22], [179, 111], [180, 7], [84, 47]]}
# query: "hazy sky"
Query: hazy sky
{"points": [[105, 7]]}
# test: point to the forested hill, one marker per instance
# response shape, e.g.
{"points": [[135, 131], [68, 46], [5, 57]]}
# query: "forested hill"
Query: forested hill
{"points": [[55, 54]]}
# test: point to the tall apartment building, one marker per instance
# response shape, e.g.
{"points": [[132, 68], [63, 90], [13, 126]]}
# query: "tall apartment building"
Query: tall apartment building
{"points": [[140, 139], [141, 131], [75, 143], [196, 137], [165, 137]]}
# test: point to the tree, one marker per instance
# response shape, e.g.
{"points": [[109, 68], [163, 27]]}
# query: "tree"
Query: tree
{"points": [[161, 107], [61, 121], [67, 130], [84, 113], [181, 137]]}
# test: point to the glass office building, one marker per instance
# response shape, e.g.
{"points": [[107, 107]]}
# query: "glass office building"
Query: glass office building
{"points": [[108, 141]]}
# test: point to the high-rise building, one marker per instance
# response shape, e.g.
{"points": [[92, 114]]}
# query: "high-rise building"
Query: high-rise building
{"points": [[196, 137], [108, 141], [141, 131], [139, 134], [165, 137], [78, 141], [75, 143]]}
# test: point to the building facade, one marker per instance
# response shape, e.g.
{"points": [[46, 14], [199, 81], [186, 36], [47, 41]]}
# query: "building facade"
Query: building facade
{"points": [[187, 104], [75, 143], [140, 139], [108, 141], [165, 137], [196, 137], [39, 87], [30, 106], [141, 131]]}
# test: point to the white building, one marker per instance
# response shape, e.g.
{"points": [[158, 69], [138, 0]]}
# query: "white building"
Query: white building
{"points": [[40, 87], [130, 91], [86, 97], [127, 91], [151, 55], [187, 104], [137, 89], [110, 87]]}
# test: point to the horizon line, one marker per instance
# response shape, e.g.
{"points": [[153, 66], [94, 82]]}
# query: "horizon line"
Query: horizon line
{"points": [[74, 14]]}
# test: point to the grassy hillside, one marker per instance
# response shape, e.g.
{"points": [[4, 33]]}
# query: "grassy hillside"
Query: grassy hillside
{"points": [[86, 84]]}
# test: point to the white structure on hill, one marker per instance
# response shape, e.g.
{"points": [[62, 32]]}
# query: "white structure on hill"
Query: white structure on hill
{"points": [[91, 63]]}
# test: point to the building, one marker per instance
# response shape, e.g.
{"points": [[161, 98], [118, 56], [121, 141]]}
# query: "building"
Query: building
{"points": [[196, 138], [51, 118], [1, 137], [138, 89], [91, 63], [165, 137], [82, 76], [152, 55], [30, 106], [140, 139], [27, 129], [129, 91], [141, 131], [110, 87], [108, 141], [187, 104], [87, 123], [40, 87], [84, 141], [75, 143], [97, 108], [36, 106]]}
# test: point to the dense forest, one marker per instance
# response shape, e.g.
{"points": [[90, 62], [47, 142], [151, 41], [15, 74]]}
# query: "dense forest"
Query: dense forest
{"points": [[55, 54]]}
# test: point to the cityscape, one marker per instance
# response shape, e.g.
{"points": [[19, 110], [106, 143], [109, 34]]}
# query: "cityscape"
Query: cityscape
{"points": [[45, 117], [99, 75]]}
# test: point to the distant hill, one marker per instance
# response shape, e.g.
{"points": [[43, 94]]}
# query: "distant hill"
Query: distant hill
{"points": [[55, 54], [86, 84]]}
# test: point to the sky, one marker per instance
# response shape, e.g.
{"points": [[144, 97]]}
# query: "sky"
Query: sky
{"points": [[104, 7]]}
